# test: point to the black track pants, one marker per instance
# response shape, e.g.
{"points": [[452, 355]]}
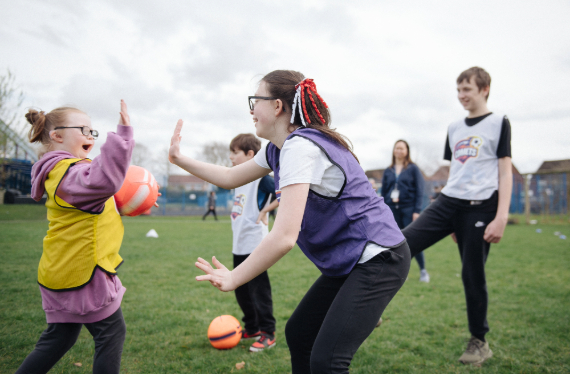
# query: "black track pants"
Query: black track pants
{"points": [[338, 314], [254, 299], [58, 338], [468, 220]]}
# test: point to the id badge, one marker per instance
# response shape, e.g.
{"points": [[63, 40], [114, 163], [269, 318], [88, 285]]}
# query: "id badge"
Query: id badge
{"points": [[395, 195]]}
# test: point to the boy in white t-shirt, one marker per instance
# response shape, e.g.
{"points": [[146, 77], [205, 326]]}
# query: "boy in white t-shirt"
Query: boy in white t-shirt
{"points": [[249, 225], [474, 205]]}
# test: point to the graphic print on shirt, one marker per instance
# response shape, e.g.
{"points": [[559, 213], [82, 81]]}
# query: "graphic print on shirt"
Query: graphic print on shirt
{"points": [[467, 148], [278, 194], [239, 203]]}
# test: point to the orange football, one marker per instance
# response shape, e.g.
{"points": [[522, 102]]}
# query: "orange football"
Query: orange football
{"points": [[224, 332], [138, 193]]}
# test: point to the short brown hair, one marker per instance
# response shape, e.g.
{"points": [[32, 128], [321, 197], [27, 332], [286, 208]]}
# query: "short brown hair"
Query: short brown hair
{"points": [[245, 143], [482, 78]]}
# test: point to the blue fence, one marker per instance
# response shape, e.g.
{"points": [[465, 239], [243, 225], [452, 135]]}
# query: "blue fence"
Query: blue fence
{"points": [[15, 174], [548, 194], [192, 202]]}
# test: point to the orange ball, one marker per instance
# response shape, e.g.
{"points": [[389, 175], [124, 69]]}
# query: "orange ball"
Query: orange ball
{"points": [[224, 332], [138, 193]]}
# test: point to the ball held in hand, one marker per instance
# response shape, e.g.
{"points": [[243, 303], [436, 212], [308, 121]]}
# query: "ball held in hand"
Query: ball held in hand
{"points": [[138, 193]]}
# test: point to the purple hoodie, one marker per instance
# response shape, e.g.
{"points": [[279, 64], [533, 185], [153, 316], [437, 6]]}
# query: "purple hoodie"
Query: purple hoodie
{"points": [[87, 186]]}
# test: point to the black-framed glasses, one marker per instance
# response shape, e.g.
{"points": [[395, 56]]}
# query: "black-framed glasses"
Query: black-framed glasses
{"points": [[251, 99], [84, 130]]}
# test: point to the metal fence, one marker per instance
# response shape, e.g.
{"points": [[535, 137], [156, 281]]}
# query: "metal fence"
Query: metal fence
{"points": [[544, 194], [15, 174], [548, 194], [174, 202]]}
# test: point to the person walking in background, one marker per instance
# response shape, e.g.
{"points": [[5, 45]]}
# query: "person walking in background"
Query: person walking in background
{"points": [[402, 189], [211, 206]]}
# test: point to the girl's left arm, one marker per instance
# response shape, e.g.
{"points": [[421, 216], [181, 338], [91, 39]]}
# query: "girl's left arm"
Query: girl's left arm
{"points": [[275, 245], [88, 186], [220, 176]]}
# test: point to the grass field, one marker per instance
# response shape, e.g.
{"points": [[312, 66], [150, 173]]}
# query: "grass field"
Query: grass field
{"points": [[167, 312]]}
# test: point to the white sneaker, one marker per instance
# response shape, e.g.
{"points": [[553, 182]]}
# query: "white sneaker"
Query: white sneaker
{"points": [[424, 276]]}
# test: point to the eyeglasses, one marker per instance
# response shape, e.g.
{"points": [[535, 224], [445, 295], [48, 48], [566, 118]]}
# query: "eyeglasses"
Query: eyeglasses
{"points": [[84, 130], [252, 102]]}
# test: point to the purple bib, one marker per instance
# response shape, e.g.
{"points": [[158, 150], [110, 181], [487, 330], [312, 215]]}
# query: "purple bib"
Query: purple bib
{"points": [[335, 230]]}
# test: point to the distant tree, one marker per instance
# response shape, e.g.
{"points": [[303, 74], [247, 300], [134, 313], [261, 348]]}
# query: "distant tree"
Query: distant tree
{"points": [[11, 99], [216, 153]]}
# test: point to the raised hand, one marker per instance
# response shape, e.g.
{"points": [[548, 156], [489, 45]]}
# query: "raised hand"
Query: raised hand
{"points": [[174, 151], [124, 120], [221, 277]]}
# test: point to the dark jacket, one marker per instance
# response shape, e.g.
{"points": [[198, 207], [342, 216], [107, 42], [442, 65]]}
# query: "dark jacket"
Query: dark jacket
{"points": [[410, 184]]}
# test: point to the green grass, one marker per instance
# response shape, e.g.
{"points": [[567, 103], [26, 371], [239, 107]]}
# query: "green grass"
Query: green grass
{"points": [[167, 312]]}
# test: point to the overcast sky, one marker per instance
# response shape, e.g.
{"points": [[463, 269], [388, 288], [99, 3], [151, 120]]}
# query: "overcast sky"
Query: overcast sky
{"points": [[387, 69]]}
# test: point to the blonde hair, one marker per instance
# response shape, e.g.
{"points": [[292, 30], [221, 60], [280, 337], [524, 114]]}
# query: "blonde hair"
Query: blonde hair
{"points": [[42, 123]]}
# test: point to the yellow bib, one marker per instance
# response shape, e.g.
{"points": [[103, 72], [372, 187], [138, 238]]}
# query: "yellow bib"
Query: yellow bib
{"points": [[77, 241]]}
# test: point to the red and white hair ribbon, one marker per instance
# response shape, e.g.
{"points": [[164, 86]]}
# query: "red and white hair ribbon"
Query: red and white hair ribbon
{"points": [[299, 100]]}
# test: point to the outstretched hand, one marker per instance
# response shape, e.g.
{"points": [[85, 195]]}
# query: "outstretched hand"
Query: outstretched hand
{"points": [[124, 119], [174, 151], [221, 277]]}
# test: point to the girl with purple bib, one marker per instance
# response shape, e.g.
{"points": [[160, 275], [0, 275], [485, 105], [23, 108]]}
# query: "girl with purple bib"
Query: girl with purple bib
{"points": [[328, 208]]}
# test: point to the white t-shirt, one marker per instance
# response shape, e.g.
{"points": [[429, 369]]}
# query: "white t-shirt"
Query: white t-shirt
{"points": [[246, 233], [302, 161]]}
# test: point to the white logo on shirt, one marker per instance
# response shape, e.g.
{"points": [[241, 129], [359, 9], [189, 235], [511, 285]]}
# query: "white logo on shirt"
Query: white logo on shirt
{"points": [[479, 224]]}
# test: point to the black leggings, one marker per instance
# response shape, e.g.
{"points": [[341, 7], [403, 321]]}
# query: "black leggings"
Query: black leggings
{"points": [[468, 221], [337, 314], [58, 338]]}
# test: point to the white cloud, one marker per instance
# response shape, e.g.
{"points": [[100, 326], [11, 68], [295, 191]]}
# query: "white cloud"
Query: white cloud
{"points": [[387, 69]]}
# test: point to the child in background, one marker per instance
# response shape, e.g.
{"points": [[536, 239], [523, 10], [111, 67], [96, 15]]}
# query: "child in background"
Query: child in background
{"points": [[254, 297], [474, 205], [77, 270]]}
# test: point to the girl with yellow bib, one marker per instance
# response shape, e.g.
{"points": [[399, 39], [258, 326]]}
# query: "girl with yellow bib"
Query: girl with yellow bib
{"points": [[77, 270]]}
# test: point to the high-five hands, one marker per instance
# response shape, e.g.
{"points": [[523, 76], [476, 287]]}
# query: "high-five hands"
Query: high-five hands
{"points": [[124, 119], [221, 277], [174, 151]]}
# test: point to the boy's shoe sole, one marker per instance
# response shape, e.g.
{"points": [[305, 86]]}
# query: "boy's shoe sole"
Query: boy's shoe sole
{"points": [[265, 342], [477, 352], [255, 349]]}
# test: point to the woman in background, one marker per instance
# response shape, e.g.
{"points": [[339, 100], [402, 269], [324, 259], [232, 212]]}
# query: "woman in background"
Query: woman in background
{"points": [[402, 190]]}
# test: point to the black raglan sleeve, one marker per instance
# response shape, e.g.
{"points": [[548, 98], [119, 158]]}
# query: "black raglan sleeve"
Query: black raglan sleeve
{"points": [[447, 153], [504, 148]]}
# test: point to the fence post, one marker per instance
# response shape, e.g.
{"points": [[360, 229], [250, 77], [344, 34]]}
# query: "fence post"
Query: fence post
{"points": [[527, 179]]}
